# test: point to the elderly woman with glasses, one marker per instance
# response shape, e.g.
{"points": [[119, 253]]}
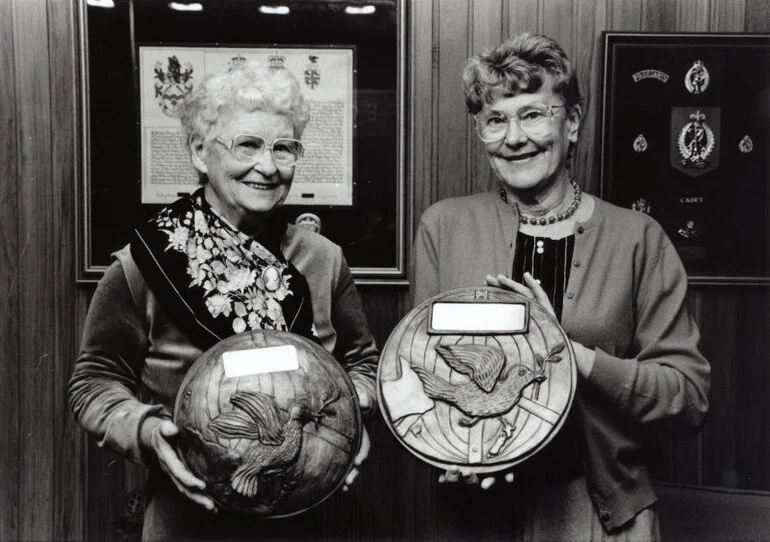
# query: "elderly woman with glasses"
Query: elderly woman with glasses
{"points": [[611, 277], [208, 266]]}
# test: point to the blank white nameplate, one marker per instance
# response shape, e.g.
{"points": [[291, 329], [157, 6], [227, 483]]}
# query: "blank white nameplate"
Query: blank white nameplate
{"points": [[486, 318], [254, 361]]}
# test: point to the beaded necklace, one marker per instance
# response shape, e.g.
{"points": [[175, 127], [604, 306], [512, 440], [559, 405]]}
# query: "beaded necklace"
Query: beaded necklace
{"points": [[542, 221]]}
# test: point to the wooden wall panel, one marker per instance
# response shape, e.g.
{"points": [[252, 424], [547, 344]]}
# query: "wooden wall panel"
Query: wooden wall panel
{"points": [[68, 452], [523, 16], [423, 118], [752, 390], [487, 23], [591, 17], [453, 128], [659, 15], [36, 316], [728, 15], [757, 16], [692, 15], [10, 458], [624, 15], [558, 22]]}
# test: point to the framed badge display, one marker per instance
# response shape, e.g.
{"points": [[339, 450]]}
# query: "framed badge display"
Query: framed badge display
{"points": [[686, 139], [140, 58]]}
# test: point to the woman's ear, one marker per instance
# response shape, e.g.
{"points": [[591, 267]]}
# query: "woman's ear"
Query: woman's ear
{"points": [[198, 153], [574, 118]]}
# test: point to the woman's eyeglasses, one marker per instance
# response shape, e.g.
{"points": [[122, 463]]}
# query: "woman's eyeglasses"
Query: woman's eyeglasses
{"points": [[534, 121], [248, 148]]}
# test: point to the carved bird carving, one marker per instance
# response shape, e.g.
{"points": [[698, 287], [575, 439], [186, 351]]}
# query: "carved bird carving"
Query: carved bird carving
{"points": [[495, 386], [274, 446]]}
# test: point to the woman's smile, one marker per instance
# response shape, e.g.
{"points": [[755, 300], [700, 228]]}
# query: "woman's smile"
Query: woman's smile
{"points": [[260, 185], [520, 157]]}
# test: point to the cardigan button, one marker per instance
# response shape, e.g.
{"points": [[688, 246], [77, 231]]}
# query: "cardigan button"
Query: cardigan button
{"points": [[580, 229], [604, 515], [577, 263], [570, 295]]}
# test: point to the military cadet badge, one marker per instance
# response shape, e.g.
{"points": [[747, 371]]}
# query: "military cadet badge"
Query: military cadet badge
{"points": [[640, 143], [641, 204], [697, 78], [746, 145], [694, 142]]}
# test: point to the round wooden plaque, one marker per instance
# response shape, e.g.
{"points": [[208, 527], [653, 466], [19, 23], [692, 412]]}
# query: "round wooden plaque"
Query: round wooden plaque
{"points": [[480, 378], [270, 421]]}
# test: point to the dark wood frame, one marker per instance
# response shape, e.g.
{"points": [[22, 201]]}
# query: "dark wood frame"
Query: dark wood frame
{"points": [[364, 249], [644, 88]]}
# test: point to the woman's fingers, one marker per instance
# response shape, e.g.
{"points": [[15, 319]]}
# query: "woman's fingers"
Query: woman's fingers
{"points": [[469, 477], [531, 288], [501, 281], [451, 475], [363, 453], [184, 480], [487, 482], [539, 294]]}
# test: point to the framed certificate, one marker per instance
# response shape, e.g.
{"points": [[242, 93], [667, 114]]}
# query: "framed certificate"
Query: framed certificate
{"points": [[140, 58], [686, 139], [166, 74]]}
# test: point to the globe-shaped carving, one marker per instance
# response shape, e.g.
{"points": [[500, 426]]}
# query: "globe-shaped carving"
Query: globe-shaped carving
{"points": [[270, 437], [481, 400]]}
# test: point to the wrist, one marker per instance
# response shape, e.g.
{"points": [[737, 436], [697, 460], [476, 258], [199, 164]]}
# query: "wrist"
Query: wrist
{"points": [[145, 433], [584, 359]]}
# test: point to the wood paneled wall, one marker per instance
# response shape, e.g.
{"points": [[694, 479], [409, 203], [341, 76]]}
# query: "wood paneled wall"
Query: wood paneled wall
{"points": [[54, 485]]}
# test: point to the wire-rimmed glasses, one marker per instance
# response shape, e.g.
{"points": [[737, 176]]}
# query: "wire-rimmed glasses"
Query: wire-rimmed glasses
{"points": [[533, 120], [248, 148]]}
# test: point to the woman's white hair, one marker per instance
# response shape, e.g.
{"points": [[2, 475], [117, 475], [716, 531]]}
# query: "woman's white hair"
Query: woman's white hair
{"points": [[248, 86]]}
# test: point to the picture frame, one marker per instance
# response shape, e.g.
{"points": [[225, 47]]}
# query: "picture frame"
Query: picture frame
{"points": [[685, 139], [363, 209]]}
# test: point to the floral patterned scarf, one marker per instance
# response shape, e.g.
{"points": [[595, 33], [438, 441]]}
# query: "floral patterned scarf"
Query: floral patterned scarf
{"points": [[214, 280]]}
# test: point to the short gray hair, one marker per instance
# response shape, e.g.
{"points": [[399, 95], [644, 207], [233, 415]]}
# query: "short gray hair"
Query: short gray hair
{"points": [[519, 65]]}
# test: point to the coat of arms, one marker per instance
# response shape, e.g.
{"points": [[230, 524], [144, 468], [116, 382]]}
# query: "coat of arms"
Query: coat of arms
{"points": [[172, 85], [312, 72]]}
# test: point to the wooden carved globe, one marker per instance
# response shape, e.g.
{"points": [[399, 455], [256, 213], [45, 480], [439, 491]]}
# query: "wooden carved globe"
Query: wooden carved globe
{"points": [[270, 421], [482, 399]]}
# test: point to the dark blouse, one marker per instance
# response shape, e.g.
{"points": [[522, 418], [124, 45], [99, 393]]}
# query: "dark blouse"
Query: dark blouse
{"points": [[548, 260]]}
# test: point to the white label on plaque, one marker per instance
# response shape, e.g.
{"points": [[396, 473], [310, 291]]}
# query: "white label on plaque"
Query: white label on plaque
{"points": [[254, 361], [475, 317]]}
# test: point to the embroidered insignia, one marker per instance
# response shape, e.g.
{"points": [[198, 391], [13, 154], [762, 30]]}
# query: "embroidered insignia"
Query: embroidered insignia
{"points": [[650, 74], [172, 85], [696, 142], [640, 143], [746, 145], [312, 72], [641, 204], [697, 78], [689, 230]]}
